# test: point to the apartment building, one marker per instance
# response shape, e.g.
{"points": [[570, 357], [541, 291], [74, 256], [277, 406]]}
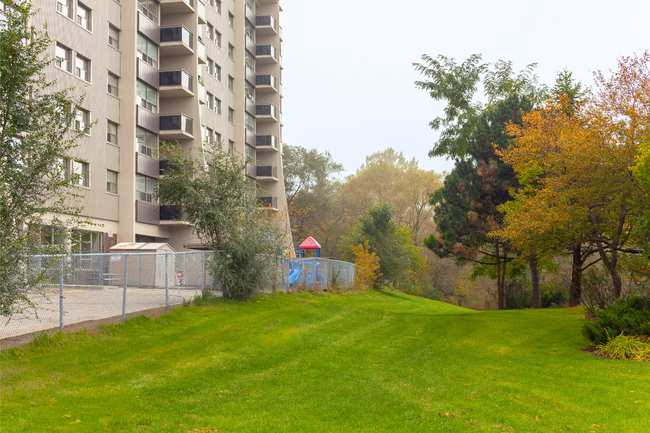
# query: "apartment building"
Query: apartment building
{"points": [[193, 71]]}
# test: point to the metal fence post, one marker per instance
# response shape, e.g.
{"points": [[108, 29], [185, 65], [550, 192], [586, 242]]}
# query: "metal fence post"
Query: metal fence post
{"points": [[202, 270], [126, 275], [61, 297], [167, 281]]}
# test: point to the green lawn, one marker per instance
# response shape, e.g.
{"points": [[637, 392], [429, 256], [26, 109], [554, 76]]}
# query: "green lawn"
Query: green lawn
{"points": [[368, 362]]}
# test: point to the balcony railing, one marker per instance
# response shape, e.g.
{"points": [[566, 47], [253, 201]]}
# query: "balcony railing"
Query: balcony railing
{"points": [[251, 171], [266, 50], [250, 43], [177, 34], [265, 21], [201, 52], [148, 73], [251, 140], [266, 80], [267, 171], [147, 120], [270, 202], [201, 12], [146, 212], [146, 165], [148, 27], [250, 74], [266, 110], [177, 122], [171, 213], [177, 79], [267, 141]]}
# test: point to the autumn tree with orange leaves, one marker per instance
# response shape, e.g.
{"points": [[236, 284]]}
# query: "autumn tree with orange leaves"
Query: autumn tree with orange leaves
{"points": [[576, 169]]}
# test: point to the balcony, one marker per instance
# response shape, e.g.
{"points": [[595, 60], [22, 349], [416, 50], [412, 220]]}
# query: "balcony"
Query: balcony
{"points": [[266, 83], [266, 54], [146, 212], [148, 74], [266, 113], [176, 84], [176, 7], [176, 41], [146, 165], [147, 120], [251, 171], [267, 172], [201, 52], [202, 94], [250, 13], [201, 12], [176, 127], [251, 139], [172, 215], [266, 142], [250, 106], [268, 202], [250, 44], [148, 28], [266, 25]]}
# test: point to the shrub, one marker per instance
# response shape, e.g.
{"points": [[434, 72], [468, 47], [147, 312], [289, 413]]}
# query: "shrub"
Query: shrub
{"points": [[553, 295], [625, 347], [629, 316], [518, 295], [366, 266], [597, 290]]}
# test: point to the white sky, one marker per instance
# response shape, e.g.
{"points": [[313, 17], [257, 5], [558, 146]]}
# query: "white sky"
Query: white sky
{"points": [[348, 79]]}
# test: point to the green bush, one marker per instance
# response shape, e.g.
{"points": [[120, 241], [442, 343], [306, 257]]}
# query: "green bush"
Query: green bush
{"points": [[518, 294], [629, 316], [553, 295]]}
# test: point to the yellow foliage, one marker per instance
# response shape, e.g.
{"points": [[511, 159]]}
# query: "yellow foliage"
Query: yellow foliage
{"points": [[366, 266]]}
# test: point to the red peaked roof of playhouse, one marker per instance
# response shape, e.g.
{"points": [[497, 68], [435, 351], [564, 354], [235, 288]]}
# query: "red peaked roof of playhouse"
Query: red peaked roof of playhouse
{"points": [[310, 244]]}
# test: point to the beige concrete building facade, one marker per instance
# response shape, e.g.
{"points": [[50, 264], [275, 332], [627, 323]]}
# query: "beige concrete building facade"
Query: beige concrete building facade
{"points": [[194, 71]]}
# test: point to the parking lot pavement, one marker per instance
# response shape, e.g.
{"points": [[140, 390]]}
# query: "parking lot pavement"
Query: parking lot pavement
{"points": [[82, 304]]}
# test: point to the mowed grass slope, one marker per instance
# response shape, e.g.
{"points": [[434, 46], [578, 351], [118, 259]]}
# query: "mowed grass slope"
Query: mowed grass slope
{"points": [[368, 362]]}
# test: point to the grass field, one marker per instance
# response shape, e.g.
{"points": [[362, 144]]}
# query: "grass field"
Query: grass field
{"points": [[366, 362]]}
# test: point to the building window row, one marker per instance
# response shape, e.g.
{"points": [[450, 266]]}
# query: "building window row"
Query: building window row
{"points": [[147, 142], [147, 51], [113, 37], [63, 58], [112, 84], [213, 35], [84, 13], [144, 187], [216, 5], [146, 97], [213, 69], [149, 8]]}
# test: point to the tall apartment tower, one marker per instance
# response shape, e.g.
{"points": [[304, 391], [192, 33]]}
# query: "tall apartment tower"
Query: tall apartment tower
{"points": [[193, 71]]}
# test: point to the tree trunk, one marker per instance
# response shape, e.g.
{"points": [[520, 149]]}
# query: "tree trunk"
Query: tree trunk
{"points": [[610, 263], [537, 292], [501, 290], [575, 291]]}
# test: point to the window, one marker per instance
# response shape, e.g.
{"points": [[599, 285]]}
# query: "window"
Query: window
{"points": [[250, 153], [210, 66], [82, 119], [231, 147], [231, 51], [144, 187], [250, 122], [145, 239], [231, 83], [82, 68], [217, 106], [218, 6], [63, 7], [111, 181], [52, 235], [146, 142], [231, 19], [111, 132], [217, 72], [217, 38], [146, 96], [250, 60], [210, 32], [217, 137], [147, 51], [209, 100], [249, 90], [113, 37], [84, 17], [149, 8], [112, 84], [209, 136], [231, 115], [63, 57], [87, 242], [81, 171]]}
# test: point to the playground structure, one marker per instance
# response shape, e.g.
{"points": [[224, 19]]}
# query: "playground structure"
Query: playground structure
{"points": [[315, 272], [306, 273]]}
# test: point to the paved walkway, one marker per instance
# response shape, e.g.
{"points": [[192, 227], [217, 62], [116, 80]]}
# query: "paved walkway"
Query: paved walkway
{"points": [[81, 304]]}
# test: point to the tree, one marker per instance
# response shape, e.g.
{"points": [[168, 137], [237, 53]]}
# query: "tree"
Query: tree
{"points": [[400, 263], [582, 166], [311, 193], [467, 206], [223, 210], [37, 131]]}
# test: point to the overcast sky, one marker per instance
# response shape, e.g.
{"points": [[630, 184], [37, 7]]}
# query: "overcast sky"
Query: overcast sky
{"points": [[348, 79]]}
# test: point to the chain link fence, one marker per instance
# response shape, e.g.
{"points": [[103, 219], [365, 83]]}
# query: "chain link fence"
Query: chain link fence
{"points": [[82, 288]]}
